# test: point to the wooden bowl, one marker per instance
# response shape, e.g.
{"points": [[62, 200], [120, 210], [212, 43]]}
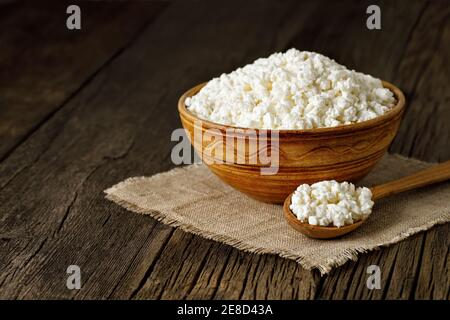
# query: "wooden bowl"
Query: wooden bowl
{"points": [[343, 153], [312, 231]]}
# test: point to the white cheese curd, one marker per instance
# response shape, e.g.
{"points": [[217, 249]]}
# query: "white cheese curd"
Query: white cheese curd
{"points": [[291, 90], [330, 203]]}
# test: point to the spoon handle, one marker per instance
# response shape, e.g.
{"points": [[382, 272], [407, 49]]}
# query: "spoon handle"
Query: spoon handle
{"points": [[437, 173]]}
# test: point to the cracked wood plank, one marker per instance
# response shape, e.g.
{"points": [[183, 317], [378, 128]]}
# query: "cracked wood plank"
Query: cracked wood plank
{"points": [[34, 223], [426, 74]]}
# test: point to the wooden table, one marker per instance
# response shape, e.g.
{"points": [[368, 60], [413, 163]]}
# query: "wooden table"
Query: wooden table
{"points": [[82, 110]]}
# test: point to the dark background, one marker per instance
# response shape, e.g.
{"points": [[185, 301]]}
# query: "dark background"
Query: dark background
{"points": [[82, 110]]}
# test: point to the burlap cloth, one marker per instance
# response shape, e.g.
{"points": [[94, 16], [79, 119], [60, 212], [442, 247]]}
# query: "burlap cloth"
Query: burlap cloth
{"points": [[193, 199]]}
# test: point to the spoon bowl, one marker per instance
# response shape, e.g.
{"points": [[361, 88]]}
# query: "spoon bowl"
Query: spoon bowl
{"points": [[316, 232], [435, 174]]}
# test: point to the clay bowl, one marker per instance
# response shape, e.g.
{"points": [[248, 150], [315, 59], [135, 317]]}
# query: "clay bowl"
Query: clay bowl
{"points": [[316, 232], [344, 153]]}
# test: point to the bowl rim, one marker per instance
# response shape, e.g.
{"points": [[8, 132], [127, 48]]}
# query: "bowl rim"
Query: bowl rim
{"points": [[396, 110]]}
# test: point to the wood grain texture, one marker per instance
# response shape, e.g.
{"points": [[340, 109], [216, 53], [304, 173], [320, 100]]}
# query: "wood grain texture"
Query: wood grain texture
{"points": [[118, 124], [42, 63], [437, 173]]}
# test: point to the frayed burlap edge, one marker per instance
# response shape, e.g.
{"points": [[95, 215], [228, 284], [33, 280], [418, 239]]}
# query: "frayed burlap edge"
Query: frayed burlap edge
{"points": [[336, 261]]}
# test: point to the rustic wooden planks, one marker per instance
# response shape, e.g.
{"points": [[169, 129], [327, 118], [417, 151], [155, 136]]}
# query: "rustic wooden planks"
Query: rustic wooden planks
{"points": [[42, 63], [117, 123]]}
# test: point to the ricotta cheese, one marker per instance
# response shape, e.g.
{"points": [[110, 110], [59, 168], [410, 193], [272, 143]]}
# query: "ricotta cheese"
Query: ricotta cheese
{"points": [[330, 203], [291, 90]]}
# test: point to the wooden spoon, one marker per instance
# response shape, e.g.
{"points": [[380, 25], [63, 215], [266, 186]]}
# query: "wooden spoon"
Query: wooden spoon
{"points": [[437, 173]]}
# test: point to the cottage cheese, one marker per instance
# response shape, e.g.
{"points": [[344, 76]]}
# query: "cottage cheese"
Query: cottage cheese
{"points": [[291, 90], [330, 203]]}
